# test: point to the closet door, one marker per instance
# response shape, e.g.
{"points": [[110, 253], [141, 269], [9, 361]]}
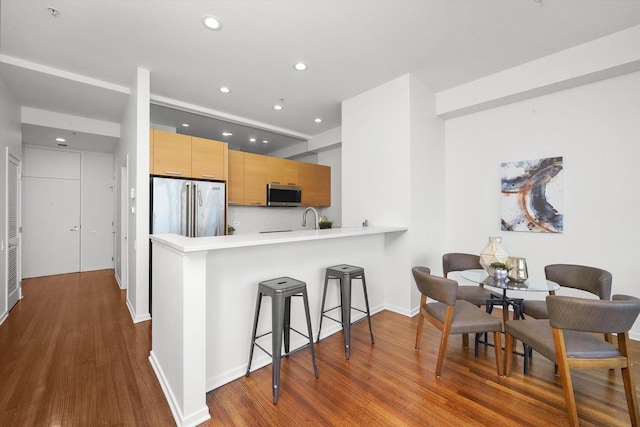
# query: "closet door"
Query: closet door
{"points": [[50, 212], [13, 224]]}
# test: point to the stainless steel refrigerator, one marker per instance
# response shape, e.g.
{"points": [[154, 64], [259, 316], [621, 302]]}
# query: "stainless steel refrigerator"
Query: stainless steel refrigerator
{"points": [[187, 207]]}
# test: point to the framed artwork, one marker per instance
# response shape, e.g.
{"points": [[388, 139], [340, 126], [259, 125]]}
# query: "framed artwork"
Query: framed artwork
{"points": [[532, 195]]}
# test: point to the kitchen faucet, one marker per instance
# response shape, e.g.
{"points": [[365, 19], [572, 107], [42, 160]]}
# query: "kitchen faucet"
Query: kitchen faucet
{"points": [[304, 217]]}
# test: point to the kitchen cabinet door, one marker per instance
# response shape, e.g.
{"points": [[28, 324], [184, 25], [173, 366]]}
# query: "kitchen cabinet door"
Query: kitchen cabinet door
{"points": [[275, 170], [171, 154], [290, 168], [255, 179], [306, 180], [235, 185], [208, 159], [323, 186], [315, 181], [151, 162]]}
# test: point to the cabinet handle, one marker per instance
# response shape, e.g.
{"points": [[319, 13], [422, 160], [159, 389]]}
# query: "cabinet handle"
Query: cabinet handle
{"points": [[256, 203], [275, 182], [204, 175], [173, 173], [291, 183], [232, 203]]}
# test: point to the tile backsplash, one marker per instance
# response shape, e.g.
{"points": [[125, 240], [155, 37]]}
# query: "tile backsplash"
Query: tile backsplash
{"points": [[254, 219]]}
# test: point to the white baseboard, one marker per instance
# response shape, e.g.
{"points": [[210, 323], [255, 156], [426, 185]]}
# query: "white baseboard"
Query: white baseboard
{"points": [[135, 317], [3, 317], [194, 419]]}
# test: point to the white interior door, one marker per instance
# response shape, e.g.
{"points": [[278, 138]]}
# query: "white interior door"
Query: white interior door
{"points": [[124, 227], [13, 225], [50, 226]]}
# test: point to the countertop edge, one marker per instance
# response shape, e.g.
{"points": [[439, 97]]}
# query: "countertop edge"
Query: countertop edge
{"points": [[198, 244]]}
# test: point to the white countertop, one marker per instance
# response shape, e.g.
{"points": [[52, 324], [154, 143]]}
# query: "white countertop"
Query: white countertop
{"points": [[195, 244]]}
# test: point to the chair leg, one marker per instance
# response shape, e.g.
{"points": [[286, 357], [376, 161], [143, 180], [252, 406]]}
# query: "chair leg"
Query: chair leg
{"points": [[423, 301], [277, 320], [444, 339], [442, 351], [253, 334], [508, 355], [465, 340], [565, 376], [497, 341], [627, 378], [324, 297], [419, 331], [313, 352], [366, 302]]}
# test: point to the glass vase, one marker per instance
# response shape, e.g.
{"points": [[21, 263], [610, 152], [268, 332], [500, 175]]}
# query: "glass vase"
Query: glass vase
{"points": [[493, 252]]}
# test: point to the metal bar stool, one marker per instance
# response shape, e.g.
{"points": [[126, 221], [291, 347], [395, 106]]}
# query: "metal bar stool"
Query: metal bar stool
{"points": [[281, 290], [345, 274]]}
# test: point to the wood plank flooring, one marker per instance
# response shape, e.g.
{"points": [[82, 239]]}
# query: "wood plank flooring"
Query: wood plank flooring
{"points": [[70, 356]]}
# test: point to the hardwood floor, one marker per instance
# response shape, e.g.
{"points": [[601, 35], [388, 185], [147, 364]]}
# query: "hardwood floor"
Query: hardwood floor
{"points": [[70, 356]]}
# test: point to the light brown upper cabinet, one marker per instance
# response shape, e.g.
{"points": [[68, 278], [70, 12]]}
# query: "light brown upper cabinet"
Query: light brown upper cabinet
{"points": [[255, 179], [208, 159], [151, 161], [315, 181], [290, 172], [275, 170], [171, 154], [236, 178], [249, 174], [323, 180]]}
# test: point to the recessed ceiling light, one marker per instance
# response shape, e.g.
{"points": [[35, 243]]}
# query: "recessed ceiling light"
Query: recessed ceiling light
{"points": [[300, 66], [264, 141], [224, 89], [318, 120], [277, 107], [212, 22], [185, 125], [60, 139], [227, 134], [252, 140], [53, 11]]}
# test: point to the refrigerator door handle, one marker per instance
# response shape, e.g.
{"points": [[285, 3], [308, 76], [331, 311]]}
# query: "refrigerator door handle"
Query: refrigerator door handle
{"points": [[195, 210], [189, 234]]}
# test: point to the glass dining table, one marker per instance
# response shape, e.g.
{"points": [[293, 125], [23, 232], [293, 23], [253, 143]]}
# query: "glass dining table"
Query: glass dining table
{"points": [[532, 284]]}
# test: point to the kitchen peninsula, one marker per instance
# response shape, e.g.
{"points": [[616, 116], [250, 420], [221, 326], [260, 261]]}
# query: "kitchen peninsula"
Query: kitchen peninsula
{"points": [[204, 294]]}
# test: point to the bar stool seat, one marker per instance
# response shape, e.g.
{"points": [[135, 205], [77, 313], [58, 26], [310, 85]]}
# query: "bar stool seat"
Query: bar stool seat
{"points": [[345, 273], [281, 290]]}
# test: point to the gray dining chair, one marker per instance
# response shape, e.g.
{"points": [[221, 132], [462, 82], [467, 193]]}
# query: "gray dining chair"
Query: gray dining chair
{"points": [[590, 279], [451, 315], [567, 339], [475, 294]]}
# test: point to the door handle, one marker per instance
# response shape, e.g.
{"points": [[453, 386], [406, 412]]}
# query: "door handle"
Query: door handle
{"points": [[75, 228]]}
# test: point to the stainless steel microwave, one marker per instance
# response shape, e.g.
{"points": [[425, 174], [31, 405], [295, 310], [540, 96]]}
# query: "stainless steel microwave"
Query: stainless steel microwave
{"points": [[283, 195]]}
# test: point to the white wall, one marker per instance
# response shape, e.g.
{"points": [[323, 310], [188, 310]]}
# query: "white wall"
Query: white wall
{"points": [[134, 144], [11, 141], [392, 152], [97, 183], [596, 128], [427, 165]]}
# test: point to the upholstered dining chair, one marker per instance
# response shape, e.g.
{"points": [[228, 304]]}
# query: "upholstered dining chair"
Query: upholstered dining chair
{"points": [[567, 339], [475, 294], [590, 279], [450, 315]]}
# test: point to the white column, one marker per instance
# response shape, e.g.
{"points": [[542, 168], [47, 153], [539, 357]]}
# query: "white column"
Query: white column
{"points": [[178, 353]]}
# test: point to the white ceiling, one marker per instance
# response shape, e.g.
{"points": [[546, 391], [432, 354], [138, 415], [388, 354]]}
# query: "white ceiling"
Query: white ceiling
{"points": [[83, 61]]}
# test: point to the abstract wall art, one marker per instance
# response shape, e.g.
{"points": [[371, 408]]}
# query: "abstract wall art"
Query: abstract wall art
{"points": [[532, 195]]}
